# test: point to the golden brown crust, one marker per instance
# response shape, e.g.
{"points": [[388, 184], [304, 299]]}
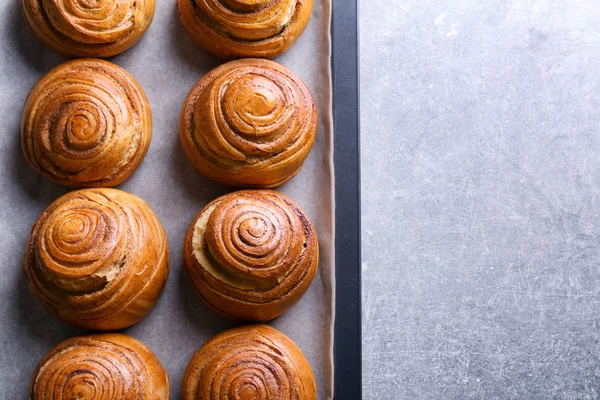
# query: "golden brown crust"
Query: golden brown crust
{"points": [[249, 362], [244, 28], [97, 259], [251, 254], [249, 123], [86, 123], [100, 367], [84, 28]]}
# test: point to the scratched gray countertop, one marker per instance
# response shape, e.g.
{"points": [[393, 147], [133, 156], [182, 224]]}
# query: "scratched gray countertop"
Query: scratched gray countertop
{"points": [[481, 199]]}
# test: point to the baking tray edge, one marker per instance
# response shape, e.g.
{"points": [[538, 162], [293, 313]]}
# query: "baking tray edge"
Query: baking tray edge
{"points": [[347, 334]]}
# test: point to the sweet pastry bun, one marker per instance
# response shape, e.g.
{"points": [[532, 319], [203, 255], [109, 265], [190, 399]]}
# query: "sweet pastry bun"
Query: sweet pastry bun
{"points": [[249, 123], [250, 362], [88, 28], [86, 123], [244, 28], [102, 366], [97, 259], [251, 254]]}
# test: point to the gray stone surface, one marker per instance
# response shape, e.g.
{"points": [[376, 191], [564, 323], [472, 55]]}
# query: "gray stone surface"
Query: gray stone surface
{"points": [[481, 212]]}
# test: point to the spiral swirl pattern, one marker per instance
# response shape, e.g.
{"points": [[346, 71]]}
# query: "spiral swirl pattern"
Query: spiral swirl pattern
{"points": [[98, 259], [245, 28], [249, 123], [100, 367], [87, 123], [249, 363], [251, 254], [89, 28]]}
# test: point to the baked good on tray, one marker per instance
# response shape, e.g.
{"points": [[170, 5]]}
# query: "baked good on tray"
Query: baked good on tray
{"points": [[88, 28], [244, 28], [86, 123], [251, 254], [97, 259], [249, 362], [101, 367], [249, 123]]}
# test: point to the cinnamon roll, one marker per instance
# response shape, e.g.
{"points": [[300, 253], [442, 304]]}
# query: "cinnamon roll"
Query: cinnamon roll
{"points": [[88, 28], [86, 123], [244, 28], [103, 366], [249, 123], [250, 362], [251, 254], [97, 259]]}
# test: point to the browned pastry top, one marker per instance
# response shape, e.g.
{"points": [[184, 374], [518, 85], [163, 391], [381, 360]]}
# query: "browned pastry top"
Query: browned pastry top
{"points": [[251, 254], [88, 28], [86, 123], [245, 28], [97, 258], [249, 123], [249, 363], [108, 366]]}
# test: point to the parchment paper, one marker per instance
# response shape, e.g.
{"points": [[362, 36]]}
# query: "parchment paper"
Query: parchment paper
{"points": [[167, 64]]}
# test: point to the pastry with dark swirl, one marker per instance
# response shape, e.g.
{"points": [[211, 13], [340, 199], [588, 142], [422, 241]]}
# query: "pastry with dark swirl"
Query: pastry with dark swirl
{"points": [[249, 123], [249, 363], [86, 123], [106, 366], [88, 28], [97, 259], [251, 254], [245, 28]]}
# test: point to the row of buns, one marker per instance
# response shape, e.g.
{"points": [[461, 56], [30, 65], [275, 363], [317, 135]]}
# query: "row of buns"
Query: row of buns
{"points": [[248, 362], [247, 123], [98, 258], [225, 28]]}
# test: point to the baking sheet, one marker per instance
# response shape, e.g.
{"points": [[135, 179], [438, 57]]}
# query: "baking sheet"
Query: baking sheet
{"points": [[167, 64]]}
